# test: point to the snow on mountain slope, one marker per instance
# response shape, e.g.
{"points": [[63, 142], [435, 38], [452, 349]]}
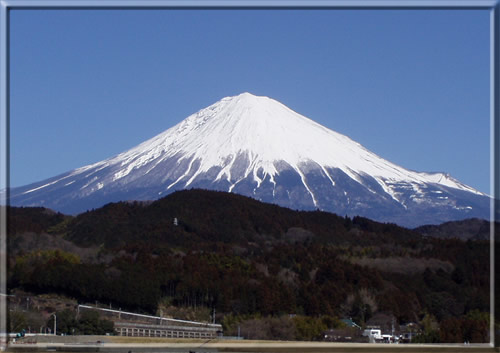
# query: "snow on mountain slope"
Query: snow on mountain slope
{"points": [[258, 147]]}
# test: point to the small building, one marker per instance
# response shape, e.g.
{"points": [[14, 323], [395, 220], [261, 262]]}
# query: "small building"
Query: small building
{"points": [[384, 321], [408, 332], [351, 324], [344, 335], [351, 333]]}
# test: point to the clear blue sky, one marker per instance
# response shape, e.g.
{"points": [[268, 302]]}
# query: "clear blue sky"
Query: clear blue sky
{"points": [[410, 85]]}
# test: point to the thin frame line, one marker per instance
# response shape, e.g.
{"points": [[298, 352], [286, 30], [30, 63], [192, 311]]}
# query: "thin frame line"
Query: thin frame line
{"points": [[494, 160], [258, 4], [4, 175]]}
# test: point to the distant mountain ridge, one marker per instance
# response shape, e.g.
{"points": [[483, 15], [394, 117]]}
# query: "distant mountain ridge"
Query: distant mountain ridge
{"points": [[475, 229], [256, 146]]}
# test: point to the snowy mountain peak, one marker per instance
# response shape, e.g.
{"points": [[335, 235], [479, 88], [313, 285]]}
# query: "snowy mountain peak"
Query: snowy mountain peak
{"points": [[256, 146], [266, 132], [247, 97]]}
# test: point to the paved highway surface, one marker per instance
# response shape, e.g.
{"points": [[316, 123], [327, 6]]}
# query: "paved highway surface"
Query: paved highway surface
{"points": [[241, 346]]}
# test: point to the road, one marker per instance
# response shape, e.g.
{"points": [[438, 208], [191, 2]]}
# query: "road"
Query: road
{"points": [[135, 345]]}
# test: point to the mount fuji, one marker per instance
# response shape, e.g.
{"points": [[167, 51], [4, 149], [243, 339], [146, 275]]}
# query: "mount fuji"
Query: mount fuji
{"points": [[258, 147]]}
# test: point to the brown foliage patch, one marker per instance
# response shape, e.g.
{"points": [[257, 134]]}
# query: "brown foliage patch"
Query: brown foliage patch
{"points": [[403, 265]]}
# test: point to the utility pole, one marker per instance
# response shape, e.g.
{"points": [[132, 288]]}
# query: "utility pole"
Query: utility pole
{"points": [[55, 324], [392, 332]]}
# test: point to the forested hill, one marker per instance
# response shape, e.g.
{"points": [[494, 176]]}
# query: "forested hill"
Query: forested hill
{"points": [[473, 228], [245, 258], [218, 217]]}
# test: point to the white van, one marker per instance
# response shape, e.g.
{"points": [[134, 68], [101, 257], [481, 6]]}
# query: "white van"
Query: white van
{"points": [[373, 334]]}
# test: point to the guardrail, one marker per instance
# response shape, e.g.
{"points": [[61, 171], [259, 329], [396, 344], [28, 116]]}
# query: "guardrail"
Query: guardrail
{"points": [[167, 331], [120, 312]]}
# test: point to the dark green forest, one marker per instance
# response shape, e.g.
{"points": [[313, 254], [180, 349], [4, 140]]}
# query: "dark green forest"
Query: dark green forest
{"points": [[250, 260]]}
